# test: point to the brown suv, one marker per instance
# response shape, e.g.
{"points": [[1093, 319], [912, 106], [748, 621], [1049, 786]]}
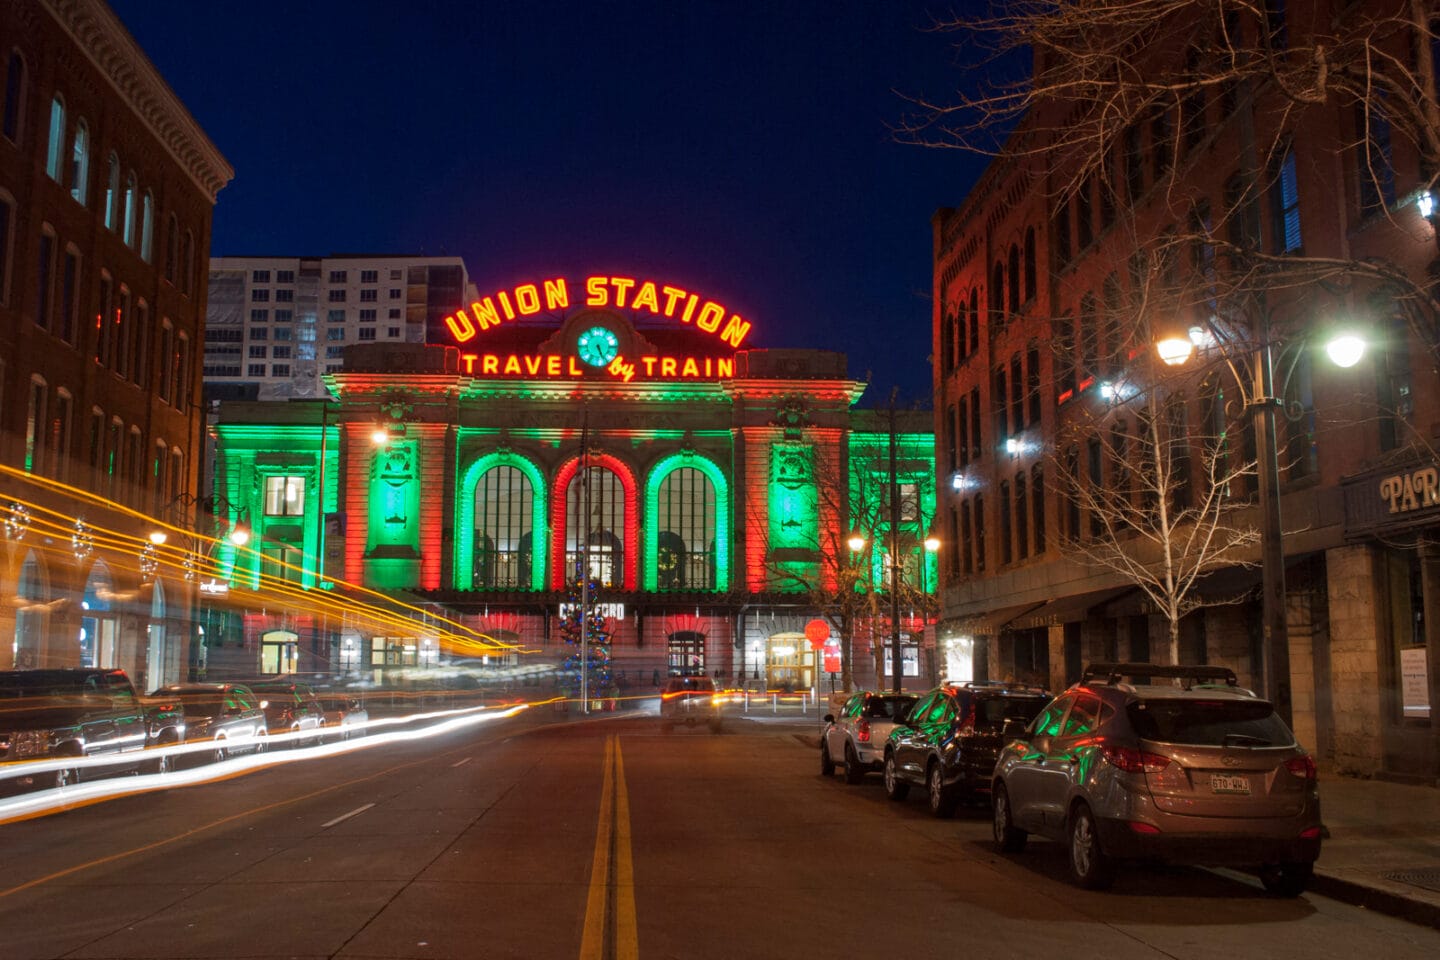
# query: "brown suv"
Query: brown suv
{"points": [[1194, 770]]}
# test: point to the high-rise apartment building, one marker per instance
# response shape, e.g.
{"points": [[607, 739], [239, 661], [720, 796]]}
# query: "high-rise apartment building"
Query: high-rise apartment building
{"points": [[276, 325]]}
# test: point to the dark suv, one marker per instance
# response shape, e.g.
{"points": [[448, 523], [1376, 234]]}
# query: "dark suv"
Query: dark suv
{"points": [[291, 708], [70, 713], [949, 740]]}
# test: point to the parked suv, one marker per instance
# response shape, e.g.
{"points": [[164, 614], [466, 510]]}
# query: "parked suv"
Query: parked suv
{"points": [[950, 740], [290, 706], [1190, 771], [70, 713], [690, 700], [857, 737], [226, 714]]}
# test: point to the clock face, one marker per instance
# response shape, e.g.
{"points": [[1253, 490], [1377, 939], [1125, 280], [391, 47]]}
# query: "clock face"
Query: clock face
{"points": [[597, 346]]}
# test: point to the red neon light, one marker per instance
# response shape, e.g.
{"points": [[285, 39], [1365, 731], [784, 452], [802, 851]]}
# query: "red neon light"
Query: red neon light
{"points": [[529, 299], [558, 518]]}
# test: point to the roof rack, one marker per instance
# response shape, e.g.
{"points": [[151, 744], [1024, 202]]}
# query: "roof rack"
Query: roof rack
{"points": [[1115, 672]]}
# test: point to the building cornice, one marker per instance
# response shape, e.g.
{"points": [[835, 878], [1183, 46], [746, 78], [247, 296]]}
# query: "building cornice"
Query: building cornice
{"points": [[103, 39]]}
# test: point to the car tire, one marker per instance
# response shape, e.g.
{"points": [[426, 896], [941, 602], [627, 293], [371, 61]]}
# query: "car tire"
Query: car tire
{"points": [[827, 764], [1008, 837], [65, 776], [220, 753], [260, 736], [1090, 867], [163, 763], [942, 798], [895, 788], [854, 773], [1286, 879]]}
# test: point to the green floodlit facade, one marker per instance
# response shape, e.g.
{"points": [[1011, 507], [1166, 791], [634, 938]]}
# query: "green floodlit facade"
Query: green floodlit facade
{"points": [[707, 511]]}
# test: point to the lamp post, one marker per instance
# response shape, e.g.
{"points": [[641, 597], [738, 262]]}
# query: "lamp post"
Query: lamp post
{"points": [[1345, 350]]}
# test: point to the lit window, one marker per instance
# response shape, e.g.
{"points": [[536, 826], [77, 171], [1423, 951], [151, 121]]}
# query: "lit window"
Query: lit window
{"points": [[504, 529], [55, 149], [80, 164]]}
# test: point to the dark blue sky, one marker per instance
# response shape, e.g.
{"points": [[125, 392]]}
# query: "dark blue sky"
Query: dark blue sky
{"points": [[738, 148]]}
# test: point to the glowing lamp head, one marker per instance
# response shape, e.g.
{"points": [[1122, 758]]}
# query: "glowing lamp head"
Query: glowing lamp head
{"points": [[158, 537], [856, 542], [1345, 350], [1426, 203], [239, 536], [380, 436], [932, 543], [1174, 349]]}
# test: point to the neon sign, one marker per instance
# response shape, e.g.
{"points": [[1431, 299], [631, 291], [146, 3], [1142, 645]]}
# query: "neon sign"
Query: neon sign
{"points": [[554, 365], [660, 299]]}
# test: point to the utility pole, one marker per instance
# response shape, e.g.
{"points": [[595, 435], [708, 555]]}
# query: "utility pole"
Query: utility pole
{"points": [[585, 560], [896, 658]]}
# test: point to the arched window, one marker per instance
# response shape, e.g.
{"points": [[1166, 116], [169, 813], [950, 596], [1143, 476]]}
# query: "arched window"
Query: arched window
{"points": [[147, 227], [112, 194], [1013, 291], [947, 343], [1030, 280], [129, 232], [685, 517], [962, 326], [80, 164], [595, 513], [504, 529], [172, 248], [7, 233], [974, 319], [14, 97], [997, 292], [55, 148]]}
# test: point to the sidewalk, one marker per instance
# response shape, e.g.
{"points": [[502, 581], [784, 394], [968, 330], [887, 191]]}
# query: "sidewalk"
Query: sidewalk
{"points": [[1383, 848]]}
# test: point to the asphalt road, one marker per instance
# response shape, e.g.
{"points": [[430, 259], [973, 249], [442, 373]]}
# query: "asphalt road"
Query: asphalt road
{"points": [[604, 838]]}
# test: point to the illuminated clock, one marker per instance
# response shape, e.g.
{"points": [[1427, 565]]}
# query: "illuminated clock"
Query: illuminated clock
{"points": [[597, 346]]}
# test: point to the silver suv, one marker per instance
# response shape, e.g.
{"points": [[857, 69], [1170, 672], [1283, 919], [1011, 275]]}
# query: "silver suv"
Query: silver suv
{"points": [[690, 700], [1192, 771], [857, 737]]}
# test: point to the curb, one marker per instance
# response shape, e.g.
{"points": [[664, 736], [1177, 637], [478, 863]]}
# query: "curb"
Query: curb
{"points": [[1374, 898]]}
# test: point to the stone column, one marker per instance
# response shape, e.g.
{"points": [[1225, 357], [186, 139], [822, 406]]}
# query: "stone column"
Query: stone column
{"points": [[1355, 635], [1056, 638], [1430, 585]]}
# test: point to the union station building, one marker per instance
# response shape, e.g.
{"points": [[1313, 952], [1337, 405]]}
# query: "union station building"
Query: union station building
{"points": [[712, 489]]}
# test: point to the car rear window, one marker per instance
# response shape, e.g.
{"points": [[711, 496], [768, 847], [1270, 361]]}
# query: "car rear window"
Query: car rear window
{"points": [[887, 708], [1211, 723], [994, 711]]}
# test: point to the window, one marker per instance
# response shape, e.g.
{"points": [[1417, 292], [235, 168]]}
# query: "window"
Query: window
{"points": [[1017, 394], [979, 534], [1276, 36], [279, 369], [1084, 218], [280, 352], [975, 441], [147, 227], [1022, 516], [14, 99], [45, 282], [369, 276], [283, 316], [1162, 138], [997, 398], [167, 351], [367, 316], [1005, 525], [69, 327], [284, 496], [255, 371], [394, 293], [392, 314], [105, 322], [80, 164], [187, 265], [367, 333], [1030, 282], [112, 194], [172, 246], [129, 225], [284, 296], [1032, 384], [369, 296], [336, 296], [281, 333], [951, 458], [1377, 172], [337, 276], [260, 316], [259, 352], [1062, 233], [967, 564], [259, 295], [259, 276], [1037, 508], [1095, 475], [184, 384], [504, 529], [141, 328], [7, 226], [124, 341], [1013, 290], [55, 148], [334, 353], [259, 333], [603, 521], [1134, 164], [1285, 200], [34, 424], [1192, 104], [393, 333]]}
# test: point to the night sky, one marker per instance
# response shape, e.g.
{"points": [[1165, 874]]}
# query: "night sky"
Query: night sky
{"points": [[740, 149]]}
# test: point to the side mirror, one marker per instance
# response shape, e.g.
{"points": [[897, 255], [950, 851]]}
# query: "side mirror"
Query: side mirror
{"points": [[1013, 727], [829, 718]]}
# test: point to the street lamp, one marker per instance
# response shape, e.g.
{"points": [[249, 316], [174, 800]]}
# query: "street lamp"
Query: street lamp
{"points": [[1345, 348]]}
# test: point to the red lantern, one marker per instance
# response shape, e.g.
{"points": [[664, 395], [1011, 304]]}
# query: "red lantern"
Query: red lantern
{"points": [[817, 632]]}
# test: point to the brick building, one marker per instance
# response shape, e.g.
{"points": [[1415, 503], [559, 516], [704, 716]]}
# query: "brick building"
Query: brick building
{"points": [[1049, 294]]}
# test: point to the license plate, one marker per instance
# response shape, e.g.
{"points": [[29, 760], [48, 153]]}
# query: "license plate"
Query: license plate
{"points": [[1229, 783]]}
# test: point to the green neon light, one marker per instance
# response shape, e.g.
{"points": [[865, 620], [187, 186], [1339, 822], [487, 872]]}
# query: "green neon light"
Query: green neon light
{"points": [[465, 519], [392, 555], [870, 457], [722, 517]]}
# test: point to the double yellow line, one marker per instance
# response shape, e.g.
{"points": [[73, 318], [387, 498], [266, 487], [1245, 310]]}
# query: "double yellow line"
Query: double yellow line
{"points": [[610, 930]]}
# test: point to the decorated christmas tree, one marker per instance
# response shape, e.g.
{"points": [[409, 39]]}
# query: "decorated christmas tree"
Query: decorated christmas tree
{"points": [[588, 638]]}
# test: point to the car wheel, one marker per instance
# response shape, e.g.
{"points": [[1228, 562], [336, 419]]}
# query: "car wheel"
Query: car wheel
{"points": [[65, 777], [163, 763], [1089, 865], [895, 788], [942, 798], [1286, 879], [220, 753], [827, 765], [260, 736], [854, 773], [1008, 837]]}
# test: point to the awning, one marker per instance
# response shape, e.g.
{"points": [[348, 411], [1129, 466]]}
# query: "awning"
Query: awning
{"points": [[985, 624], [1071, 609]]}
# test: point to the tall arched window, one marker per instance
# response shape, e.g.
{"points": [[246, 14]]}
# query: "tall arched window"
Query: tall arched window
{"points": [[1030, 279], [997, 292], [504, 528], [595, 512], [685, 516], [147, 227], [172, 247], [14, 88], [80, 164], [112, 194], [55, 148], [1013, 292], [129, 232]]}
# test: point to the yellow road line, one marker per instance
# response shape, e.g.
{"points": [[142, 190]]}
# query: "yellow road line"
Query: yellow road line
{"points": [[592, 941], [612, 836]]}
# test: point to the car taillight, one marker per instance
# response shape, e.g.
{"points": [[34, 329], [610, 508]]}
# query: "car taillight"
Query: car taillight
{"points": [[1135, 761], [1303, 767], [862, 731]]}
